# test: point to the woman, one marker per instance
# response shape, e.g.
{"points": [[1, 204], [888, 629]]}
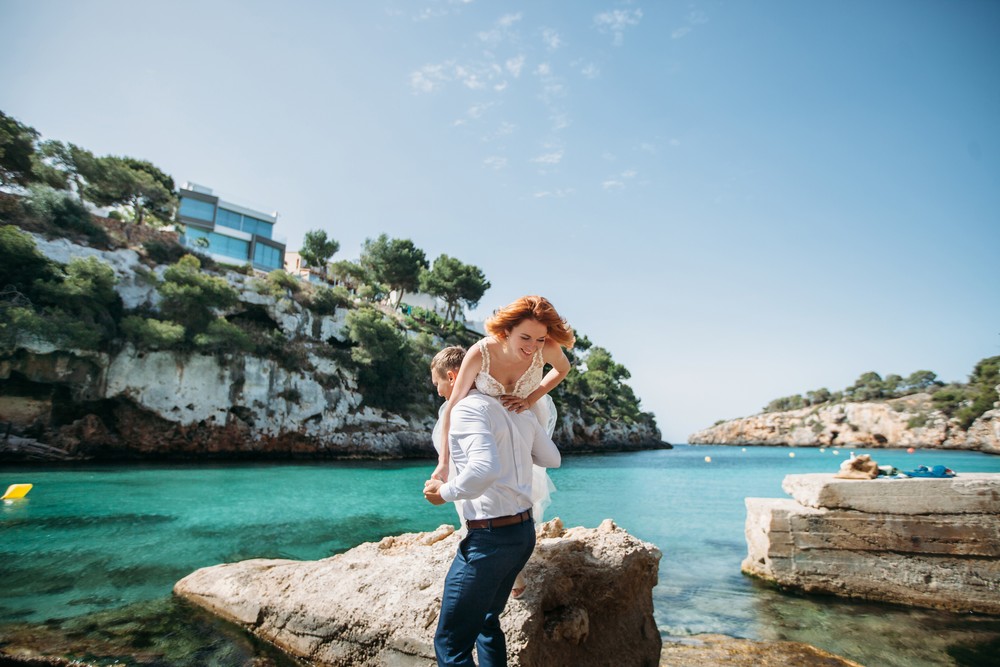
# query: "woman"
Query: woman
{"points": [[524, 336]]}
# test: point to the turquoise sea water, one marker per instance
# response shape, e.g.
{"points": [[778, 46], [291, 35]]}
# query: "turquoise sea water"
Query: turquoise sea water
{"points": [[110, 540]]}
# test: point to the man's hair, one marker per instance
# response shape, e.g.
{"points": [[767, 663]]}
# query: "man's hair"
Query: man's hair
{"points": [[448, 359]]}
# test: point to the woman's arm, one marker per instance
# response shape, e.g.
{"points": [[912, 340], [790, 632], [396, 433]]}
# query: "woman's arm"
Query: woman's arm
{"points": [[467, 372], [553, 355]]}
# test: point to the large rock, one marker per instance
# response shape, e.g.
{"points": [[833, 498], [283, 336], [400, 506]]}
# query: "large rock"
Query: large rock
{"points": [[908, 421], [923, 542], [589, 600]]}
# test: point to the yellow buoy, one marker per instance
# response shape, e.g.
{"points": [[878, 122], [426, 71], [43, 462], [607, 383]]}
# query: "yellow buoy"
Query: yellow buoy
{"points": [[15, 491], [791, 455], [708, 459]]}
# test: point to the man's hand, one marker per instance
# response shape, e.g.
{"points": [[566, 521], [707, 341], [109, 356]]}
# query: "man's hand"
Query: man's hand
{"points": [[432, 492], [440, 472]]}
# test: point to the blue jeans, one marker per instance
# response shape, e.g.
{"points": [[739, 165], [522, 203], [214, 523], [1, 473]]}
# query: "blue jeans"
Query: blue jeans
{"points": [[476, 591]]}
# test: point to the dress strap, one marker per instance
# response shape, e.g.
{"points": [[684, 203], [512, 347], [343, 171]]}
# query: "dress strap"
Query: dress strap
{"points": [[485, 349]]}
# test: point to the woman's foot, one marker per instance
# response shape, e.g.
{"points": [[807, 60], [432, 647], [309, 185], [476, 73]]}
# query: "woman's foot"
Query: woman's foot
{"points": [[520, 585]]}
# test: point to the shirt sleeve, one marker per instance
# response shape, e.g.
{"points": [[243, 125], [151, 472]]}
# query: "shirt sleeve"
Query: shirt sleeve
{"points": [[544, 452], [470, 428]]}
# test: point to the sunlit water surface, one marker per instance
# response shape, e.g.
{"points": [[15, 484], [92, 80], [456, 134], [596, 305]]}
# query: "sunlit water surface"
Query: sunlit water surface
{"points": [[112, 540]]}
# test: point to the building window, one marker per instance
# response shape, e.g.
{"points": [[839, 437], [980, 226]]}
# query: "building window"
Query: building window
{"points": [[229, 219], [266, 256], [219, 244], [244, 223], [197, 209]]}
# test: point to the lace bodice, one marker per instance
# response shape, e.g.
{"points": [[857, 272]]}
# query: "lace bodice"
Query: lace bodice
{"points": [[527, 383]]}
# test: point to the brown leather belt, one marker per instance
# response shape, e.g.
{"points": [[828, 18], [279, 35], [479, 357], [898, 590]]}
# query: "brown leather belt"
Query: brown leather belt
{"points": [[500, 521]]}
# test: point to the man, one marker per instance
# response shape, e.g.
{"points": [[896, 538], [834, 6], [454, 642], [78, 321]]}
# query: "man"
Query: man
{"points": [[492, 450]]}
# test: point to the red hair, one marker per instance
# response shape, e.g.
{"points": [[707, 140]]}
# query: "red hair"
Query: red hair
{"points": [[534, 308]]}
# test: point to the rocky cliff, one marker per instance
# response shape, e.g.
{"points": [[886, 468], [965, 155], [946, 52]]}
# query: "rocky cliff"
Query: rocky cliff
{"points": [[128, 402], [910, 421]]}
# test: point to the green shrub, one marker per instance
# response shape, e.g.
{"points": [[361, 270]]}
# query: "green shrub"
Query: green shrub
{"points": [[326, 300], [917, 421], [21, 264], [284, 281], [63, 211], [164, 252], [190, 297], [146, 332], [223, 336], [388, 368]]}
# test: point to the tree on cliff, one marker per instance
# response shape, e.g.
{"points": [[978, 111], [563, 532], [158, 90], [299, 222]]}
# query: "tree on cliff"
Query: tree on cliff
{"points": [[596, 387], [135, 184], [387, 365], [395, 262], [17, 150], [317, 250], [454, 282]]}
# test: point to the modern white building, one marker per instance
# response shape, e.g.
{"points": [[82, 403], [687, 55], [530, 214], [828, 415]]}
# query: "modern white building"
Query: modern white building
{"points": [[232, 232]]}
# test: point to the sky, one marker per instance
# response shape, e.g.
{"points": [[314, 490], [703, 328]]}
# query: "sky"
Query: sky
{"points": [[741, 201]]}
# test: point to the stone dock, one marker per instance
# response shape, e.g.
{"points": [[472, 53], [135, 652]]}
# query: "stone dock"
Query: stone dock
{"points": [[922, 542]]}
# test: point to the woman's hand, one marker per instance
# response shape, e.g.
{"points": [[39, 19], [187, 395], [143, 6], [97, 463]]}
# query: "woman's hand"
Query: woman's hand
{"points": [[440, 472], [514, 403]]}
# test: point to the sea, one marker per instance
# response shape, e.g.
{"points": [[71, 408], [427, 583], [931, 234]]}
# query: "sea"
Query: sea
{"points": [[89, 557]]}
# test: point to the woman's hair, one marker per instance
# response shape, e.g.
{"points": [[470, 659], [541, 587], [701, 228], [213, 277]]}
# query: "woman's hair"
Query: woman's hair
{"points": [[534, 308]]}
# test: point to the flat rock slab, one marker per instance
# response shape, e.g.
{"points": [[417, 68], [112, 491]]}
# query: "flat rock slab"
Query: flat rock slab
{"points": [[589, 600], [947, 562], [967, 493]]}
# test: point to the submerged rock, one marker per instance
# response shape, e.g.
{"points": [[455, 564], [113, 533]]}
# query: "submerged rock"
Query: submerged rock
{"points": [[589, 600]]}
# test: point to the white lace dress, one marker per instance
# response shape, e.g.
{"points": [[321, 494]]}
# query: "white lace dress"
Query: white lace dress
{"points": [[543, 409]]}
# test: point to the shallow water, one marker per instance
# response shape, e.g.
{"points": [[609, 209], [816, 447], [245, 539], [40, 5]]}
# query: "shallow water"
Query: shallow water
{"points": [[97, 539]]}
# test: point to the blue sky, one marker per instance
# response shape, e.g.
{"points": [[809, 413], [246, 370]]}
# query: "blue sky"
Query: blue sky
{"points": [[740, 200]]}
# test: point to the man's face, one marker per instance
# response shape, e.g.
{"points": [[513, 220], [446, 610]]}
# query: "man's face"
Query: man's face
{"points": [[443, 382]]}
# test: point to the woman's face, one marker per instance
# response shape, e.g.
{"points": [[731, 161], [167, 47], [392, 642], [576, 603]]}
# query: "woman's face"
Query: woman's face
{"points": [[526, 337]]}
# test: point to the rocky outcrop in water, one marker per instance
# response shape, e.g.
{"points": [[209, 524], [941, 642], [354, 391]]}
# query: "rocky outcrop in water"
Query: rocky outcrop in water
{"points": [[910, 421], [921, 542], [589, 600]]}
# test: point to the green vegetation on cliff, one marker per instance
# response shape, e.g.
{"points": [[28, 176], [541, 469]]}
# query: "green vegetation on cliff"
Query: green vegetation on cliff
{"points": [[964, 401], [198, 303]]}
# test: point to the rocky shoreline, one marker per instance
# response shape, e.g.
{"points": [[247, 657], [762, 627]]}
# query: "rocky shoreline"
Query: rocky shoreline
{"points": [[909, 421]]}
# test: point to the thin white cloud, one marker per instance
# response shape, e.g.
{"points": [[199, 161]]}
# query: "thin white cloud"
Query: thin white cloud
{"points": [[558, 193], [617, 21], [514, 65], [681, 32], [429, 78], [549, 158], [612, 184], [551, 39], [501, 30], [675, 142], [543, 69], [477, 110], [500, 87], [647, 147], [495, 162], [591, 71], [560, 121], [629, 173]]}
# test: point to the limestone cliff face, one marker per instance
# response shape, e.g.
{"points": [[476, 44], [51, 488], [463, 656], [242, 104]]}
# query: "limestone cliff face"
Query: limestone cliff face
{"points": [[910, 421], [147, 403]]}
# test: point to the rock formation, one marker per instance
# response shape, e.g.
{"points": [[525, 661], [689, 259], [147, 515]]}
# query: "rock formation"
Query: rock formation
{"points": [[892, 423], [589, 600], [922, 542], [133, 403]]}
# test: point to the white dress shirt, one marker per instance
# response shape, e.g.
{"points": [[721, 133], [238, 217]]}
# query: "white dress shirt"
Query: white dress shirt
{"points": [[493, 450]]}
